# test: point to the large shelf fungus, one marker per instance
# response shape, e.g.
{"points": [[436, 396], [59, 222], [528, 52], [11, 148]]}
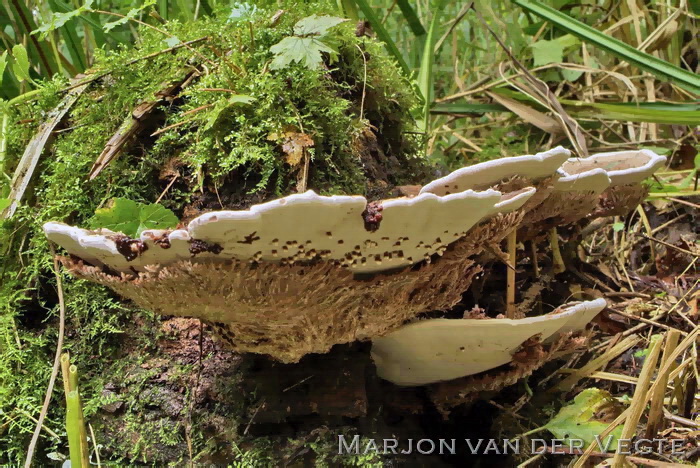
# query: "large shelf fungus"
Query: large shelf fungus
{"points": [[302, 273]]}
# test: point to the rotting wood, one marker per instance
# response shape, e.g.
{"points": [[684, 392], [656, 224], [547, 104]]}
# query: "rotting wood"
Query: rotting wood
{"points": [[30, 159], [133, 124]]}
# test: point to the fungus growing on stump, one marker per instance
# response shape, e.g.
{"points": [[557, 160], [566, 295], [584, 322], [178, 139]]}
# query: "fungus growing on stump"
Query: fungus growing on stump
{"points": [[302, 273]]}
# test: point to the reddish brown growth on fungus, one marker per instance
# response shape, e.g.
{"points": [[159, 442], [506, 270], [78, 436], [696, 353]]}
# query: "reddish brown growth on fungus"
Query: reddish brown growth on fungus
{"points": [[372, 216], [128, 247], [163, 241], [199, 246]]}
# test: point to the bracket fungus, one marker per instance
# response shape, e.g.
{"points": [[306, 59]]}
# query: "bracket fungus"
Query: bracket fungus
{"points": [[302, 273], [626, 170], [436, 350]]}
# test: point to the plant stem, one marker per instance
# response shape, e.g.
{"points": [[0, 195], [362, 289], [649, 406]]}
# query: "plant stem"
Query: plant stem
{"points": [[557, 260], [510, 278], [73, 427], [56, 362]]}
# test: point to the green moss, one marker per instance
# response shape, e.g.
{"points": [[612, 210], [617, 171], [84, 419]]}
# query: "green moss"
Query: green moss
{"points": [[356, 110]]}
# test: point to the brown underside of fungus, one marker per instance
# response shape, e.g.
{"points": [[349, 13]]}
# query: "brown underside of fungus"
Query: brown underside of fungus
{"points": [[302, 273]]}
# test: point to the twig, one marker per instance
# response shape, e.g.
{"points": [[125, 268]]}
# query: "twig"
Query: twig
{"points": [[56, 361], [133, 61], [670, 246], [94, 444], [649, 322]]}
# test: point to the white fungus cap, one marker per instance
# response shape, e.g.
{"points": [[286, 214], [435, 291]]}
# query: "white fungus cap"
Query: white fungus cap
{"points": [[486, 174], [436, 350], [622, 167], [305, 227]]}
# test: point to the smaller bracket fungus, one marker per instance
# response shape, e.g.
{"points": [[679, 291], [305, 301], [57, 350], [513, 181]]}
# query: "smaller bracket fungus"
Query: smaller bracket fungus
{"points": [[572, 198], [437, 350], [626, 170]]}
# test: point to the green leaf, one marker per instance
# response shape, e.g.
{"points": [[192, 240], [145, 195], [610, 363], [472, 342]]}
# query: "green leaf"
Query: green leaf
{"points": [[544, 52], [59, 19], [316, 25], [654, 65], [580, 419], [120, 215], [571, 75], [131, 218], [155, 216], [409, 14], [20, 67], [619, 226], [172, 41], [298, 49], [3, 64], [242, 12], [224, 104], [4, 203], [660, 150]]}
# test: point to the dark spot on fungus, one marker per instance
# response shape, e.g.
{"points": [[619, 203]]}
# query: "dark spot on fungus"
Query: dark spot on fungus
{"points": [[250, 238], [372, 216], [162, 241], [199, 246], [340, 241], [129, 248]]}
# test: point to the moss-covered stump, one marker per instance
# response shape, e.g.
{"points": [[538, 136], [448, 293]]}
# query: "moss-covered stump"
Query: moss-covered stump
{"points": [[199, 118]]}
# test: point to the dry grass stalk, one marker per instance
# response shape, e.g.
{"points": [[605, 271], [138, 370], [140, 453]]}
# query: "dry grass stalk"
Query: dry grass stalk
{"points": [[657, 399], [639, 399], [568, 383]]}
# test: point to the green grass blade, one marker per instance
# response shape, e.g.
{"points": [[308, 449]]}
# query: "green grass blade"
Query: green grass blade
{"points": [[186, 10], [659, 68], [382, 33], [411, 18], [72, 41], [676, 113], [163, 9], [679, 114], [466, 108], [39, 51], [349, 9], [425, 74]]}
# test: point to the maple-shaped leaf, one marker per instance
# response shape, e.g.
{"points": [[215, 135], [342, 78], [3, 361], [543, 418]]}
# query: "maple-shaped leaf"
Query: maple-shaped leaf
{"points": [[307, 44], [306, 50], [316, 25]]}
